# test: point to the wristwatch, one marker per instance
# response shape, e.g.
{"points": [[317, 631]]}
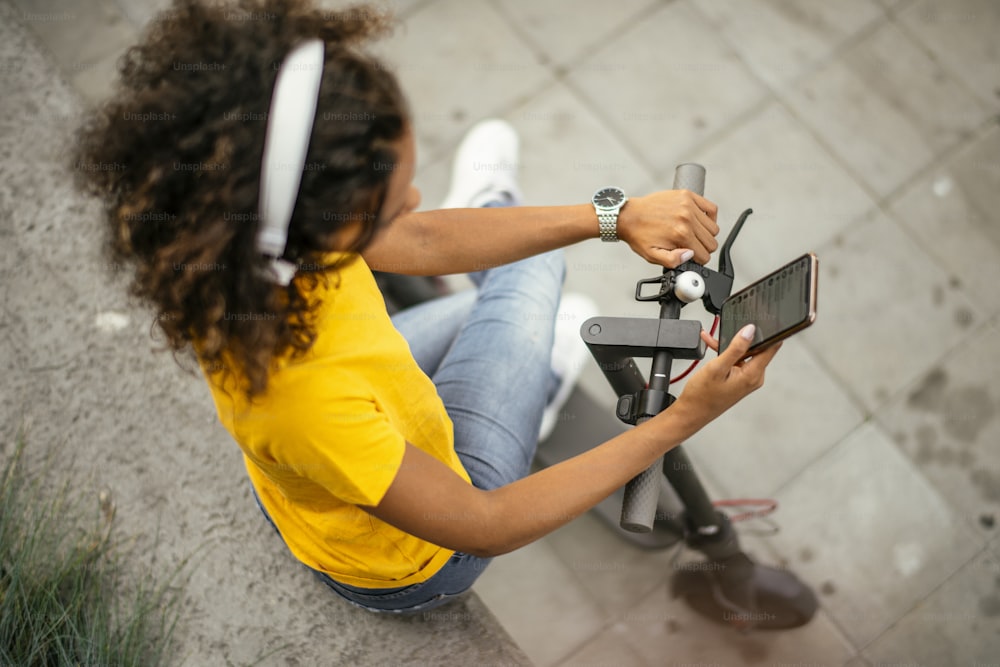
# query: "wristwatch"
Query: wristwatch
{"points": [[607, 203]]}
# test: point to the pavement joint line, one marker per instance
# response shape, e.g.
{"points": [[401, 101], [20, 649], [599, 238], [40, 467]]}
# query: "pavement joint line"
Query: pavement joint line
{"points": [[84, 7], [447, 148], [914, 471], [711, 139], [989, 322], [414, 8], [125, 14], [561, 67], [727, 130], [44, 46], [918, 603], [828, 369], [936, 159], [894, 397], [940, 161], [883, 205], [607, 620], [834, 53], [602, 119], [945, 156], [815, 460], [840, 631], [845, 166], [953, 74], [562, 71]]}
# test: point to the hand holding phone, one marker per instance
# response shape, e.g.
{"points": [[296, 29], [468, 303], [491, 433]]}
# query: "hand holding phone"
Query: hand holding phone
{"points": [[779, 304]]}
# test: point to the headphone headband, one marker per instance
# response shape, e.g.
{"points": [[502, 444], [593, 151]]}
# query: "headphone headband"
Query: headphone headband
{"points": [[286, 143]]}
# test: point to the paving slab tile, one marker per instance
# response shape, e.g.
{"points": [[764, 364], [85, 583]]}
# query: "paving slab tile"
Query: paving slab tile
{"points": [[538, 601], [779, 39], [140, 12], [886, 310], [870, 534], [952, 211], [400, 8], [667, 84], [962, 34], [870, 107], [958, 624], [857, 661], [893, 6], [800, 195], [567, 153], [772, 435], [665, 632], [78, 32], [564, 30], [607, 649], [94, 79], [947, 423], [615, 573], [459, 62]]}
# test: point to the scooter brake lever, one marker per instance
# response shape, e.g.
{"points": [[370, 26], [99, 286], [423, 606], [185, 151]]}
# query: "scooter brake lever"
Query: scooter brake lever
{"points": [[725, 257], [718, 284]]}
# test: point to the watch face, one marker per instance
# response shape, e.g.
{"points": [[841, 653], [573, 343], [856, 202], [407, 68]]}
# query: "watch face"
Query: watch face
{"points": [[609, 197]]}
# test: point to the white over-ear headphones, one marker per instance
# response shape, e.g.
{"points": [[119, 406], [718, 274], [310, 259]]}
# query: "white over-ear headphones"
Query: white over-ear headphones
{"points": [[286, 143]]}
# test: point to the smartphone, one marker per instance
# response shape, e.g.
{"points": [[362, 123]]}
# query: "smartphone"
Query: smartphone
{"points": [[780, 304]]}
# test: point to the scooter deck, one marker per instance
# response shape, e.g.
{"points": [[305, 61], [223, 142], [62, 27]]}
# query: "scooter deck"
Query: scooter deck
{"points": [[583, 424]]}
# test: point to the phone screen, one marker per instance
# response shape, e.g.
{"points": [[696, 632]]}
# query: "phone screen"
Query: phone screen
{"points": [[779, 304]]}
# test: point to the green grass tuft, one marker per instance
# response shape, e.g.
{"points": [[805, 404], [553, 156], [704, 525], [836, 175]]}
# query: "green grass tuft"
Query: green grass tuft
{"points": [[65, 597]]}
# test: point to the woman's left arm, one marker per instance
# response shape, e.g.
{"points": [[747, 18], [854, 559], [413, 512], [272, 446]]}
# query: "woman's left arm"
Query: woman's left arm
{"points": [[659, 227]]}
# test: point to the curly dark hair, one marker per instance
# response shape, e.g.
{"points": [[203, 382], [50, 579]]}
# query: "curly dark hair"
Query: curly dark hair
{"points": [[175, 156]]}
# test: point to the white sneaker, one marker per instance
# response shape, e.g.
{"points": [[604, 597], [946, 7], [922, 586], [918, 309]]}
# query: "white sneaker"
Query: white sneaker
{"points": [[485, 167], [569, 354]]}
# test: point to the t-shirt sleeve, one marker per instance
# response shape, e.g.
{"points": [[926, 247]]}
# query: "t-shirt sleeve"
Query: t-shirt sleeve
{"points": [[344, 444]]}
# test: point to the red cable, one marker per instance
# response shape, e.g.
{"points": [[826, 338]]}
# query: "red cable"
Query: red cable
{"points": [[768, 505], [715, 325]]}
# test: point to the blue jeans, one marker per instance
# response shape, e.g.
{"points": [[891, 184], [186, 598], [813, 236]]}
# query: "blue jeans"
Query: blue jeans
{"points": [[488, 353]]}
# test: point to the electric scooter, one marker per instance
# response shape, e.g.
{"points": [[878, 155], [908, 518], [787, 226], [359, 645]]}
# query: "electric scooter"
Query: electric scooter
{"points": [[667, 503]]}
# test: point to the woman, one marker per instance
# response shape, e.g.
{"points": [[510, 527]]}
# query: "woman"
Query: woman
{"points": [[265, 167]]}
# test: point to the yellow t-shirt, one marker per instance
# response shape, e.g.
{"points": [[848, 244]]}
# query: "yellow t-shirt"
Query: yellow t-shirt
{"points": [[329, 433]]}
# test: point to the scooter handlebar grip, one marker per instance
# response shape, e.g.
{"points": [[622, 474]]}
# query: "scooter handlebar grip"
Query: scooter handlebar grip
{"points": [[690, 176], [641, 495]]}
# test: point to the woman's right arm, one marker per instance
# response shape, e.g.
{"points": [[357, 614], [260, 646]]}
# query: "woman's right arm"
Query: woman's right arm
{"points": [[428, 500]]}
